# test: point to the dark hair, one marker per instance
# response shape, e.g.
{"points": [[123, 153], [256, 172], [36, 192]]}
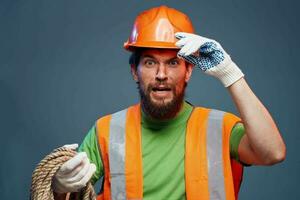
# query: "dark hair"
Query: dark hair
{"points": [[135, 57]]}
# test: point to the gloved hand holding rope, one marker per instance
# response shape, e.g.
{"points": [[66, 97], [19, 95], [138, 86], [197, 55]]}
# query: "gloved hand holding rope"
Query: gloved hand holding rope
{"points": [[63, 171]]}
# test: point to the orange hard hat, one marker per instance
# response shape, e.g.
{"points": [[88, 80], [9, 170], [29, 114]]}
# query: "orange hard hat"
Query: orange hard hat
{"points": [[156, 28]]}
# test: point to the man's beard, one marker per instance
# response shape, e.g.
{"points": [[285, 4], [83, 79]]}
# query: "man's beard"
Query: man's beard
{"points": [[164, 110]]}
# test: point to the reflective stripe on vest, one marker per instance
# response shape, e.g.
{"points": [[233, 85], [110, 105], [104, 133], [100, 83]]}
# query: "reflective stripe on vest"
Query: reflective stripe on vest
{"points": [[117, 155], [214, 155], [207, 159]]}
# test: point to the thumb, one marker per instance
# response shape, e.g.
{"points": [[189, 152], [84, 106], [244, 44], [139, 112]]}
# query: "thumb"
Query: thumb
{"points": [[71, 146]]}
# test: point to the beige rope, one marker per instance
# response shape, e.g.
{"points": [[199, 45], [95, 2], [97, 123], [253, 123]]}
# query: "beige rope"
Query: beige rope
{"points": [[42, 177]]}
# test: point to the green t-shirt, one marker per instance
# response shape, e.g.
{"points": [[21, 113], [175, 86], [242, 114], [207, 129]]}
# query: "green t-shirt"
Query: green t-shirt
{"points": [[163, 149]]}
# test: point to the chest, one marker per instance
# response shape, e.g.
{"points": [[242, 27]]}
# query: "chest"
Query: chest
{"points": [[163, 162]]}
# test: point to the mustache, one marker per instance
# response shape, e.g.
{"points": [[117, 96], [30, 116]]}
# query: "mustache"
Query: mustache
{"points": [[158, 85]]}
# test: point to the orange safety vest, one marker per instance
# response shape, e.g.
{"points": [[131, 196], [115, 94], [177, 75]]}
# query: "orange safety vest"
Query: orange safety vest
{"points": [[210, 173]]}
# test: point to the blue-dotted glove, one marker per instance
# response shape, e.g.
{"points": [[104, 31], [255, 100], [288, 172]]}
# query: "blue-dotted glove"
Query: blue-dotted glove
{"points": [[209, 56]]}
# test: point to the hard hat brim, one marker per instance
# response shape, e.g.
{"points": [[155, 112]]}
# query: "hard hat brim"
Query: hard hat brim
{"points": [[151, 44]]}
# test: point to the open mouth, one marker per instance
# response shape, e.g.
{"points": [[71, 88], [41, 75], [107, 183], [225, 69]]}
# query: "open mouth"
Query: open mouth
{"points": [[161, 92], [161, 89]]}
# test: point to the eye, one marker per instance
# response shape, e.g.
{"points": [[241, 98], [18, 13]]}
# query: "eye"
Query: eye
{"points": [[149, 63], [174, 63]]}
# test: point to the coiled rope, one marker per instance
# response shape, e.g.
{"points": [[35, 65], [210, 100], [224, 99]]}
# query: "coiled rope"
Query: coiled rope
{"points": [[42, 177]]}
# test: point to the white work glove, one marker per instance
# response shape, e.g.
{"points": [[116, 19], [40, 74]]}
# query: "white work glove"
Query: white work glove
{"points": [[209, 55], [74, 174]]}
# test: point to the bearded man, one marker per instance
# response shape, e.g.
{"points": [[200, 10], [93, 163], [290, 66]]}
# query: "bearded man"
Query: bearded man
{"points": [[164, 147]]}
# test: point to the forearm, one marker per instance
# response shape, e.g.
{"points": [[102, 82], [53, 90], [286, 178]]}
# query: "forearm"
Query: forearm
{"points": [[262, 134]]}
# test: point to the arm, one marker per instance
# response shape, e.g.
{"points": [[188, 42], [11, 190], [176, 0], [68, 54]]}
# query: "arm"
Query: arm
{"points": [[262, 143], [91, 147]]}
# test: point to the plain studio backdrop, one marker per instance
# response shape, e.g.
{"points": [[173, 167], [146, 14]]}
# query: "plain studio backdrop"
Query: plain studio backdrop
{"points": [[62, 66]]}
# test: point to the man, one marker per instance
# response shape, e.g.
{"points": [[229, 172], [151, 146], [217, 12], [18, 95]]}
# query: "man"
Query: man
{"points": [[165, 148]]}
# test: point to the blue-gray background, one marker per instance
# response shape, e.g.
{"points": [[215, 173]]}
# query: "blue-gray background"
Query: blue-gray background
{"points": [[62, 66]]}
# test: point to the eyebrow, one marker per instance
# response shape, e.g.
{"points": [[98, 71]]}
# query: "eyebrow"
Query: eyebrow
{"points": [[149, 56]]}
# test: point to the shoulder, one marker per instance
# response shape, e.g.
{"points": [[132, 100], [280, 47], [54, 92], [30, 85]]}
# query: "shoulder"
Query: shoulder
{"points": [[213, 111], [117, 114], [229, 119], [112, 113]]}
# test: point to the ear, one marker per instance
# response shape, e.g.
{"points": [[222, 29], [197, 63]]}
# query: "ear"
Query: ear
{"points": [[134, 72], [189, 70]]}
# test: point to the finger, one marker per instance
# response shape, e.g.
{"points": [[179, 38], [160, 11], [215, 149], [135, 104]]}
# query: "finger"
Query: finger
{"points": [[71, 146], [191, 59], [71, 164], [75, 171], [194, 48], [180, 35], [82, 183], [182, 42], [200, 41], [185, 48], [80, 173]]}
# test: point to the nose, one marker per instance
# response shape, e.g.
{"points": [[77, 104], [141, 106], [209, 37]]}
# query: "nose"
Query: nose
{"points": [[161, 74]]}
